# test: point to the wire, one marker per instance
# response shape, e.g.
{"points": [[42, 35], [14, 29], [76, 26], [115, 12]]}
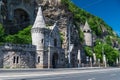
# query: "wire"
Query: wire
{"points": [[93, 3]]}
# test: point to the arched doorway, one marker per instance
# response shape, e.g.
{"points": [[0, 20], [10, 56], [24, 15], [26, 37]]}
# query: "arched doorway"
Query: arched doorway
{"points": [[55, 60], [21, 18]]}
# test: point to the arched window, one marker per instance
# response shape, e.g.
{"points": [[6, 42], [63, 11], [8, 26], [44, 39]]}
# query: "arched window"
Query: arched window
{"points": [[55, 42], [88, 31], [38, 59], [14, 59], [84, 31]]}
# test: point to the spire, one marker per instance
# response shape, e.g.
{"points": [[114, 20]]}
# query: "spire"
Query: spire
{"points": [[86, 27], [39, 21]]}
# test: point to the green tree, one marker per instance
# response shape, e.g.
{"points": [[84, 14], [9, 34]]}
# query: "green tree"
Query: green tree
{"points": [[88, 51], [2, 34], [111, 54], [23, 37], [109, 51], [98, 50]]}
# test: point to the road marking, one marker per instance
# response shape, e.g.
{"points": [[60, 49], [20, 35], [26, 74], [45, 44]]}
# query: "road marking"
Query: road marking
{"points": [[92, 79], [113, 75]]}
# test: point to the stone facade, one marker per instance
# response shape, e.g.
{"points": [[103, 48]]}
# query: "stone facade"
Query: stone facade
{"points": [[50, 52], [45, 51], [17, 56], [47, 42]]}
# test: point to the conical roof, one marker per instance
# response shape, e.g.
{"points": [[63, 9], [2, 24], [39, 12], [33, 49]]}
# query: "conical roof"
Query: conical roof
{"points": [[39, 21], [86, 27]]}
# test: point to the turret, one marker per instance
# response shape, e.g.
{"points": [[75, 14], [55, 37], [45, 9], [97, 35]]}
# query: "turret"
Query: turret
{"points": [[87, 34], [38, 37], [38, 30]]}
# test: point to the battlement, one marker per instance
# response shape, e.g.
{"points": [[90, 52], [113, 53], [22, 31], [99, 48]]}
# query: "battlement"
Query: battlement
{"points": [[24, 47]]}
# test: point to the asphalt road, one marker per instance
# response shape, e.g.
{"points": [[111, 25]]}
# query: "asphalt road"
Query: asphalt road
{"points": [[62, 74]]}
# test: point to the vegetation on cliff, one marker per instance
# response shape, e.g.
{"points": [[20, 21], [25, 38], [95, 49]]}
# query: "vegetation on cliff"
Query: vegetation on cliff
{"points": [[80, 16], [22, 37], [104, 33]]}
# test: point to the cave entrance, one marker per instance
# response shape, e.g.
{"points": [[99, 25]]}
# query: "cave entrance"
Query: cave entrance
{"points": [[21, 18]]}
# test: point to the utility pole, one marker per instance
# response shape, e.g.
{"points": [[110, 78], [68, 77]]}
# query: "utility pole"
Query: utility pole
{"points": [[49, 52]]}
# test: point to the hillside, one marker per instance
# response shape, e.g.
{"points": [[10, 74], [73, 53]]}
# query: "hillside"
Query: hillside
{"points": [[77, 17]]}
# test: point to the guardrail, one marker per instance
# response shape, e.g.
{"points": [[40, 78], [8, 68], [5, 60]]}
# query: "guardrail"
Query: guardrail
{"points": [[46, 70]]}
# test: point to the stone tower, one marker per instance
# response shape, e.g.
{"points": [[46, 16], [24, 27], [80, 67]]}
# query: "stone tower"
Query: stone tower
{"points": [[87, 34], [49, 52], [38, 37]]}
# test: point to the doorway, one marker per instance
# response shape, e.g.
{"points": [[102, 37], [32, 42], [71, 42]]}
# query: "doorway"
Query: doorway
{"points": [[55, 60]]}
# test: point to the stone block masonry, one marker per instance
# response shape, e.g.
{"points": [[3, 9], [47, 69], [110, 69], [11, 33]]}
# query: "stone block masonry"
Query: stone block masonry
{"points": [[17, 56]]}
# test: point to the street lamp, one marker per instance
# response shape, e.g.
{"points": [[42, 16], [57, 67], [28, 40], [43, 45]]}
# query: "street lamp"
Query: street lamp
{"points": [[49, 51], [49, 46], [69, 45]]}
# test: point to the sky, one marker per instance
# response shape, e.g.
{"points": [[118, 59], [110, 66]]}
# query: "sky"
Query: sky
{"points": [[108, 10]]}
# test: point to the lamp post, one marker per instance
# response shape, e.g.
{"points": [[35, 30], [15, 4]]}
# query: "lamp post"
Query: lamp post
{"points": [[49, 52], [49, 46], [69, 55]]}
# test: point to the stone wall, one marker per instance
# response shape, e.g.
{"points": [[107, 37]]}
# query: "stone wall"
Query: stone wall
{"points": [[18, 56], [1, 58]]}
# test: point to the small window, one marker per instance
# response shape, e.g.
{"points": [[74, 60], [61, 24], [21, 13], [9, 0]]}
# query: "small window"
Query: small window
{"points": [[17, 61], [38, 59], [84, 31], [88, 31], [42, 41], [14, 59], [55, 42]]}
